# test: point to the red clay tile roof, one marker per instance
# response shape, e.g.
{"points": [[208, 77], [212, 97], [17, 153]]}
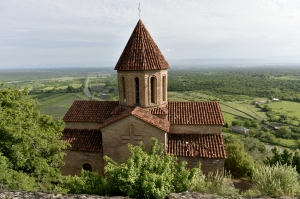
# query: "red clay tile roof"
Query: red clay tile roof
{"points": [[83, 139], [197, 145], [141, 114], [119, 110], [141, 52], [207, 113], [90, 111], [159, 111]]}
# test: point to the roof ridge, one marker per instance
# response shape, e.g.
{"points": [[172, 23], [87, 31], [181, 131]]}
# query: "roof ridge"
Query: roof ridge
{"points": [[141, 114]]}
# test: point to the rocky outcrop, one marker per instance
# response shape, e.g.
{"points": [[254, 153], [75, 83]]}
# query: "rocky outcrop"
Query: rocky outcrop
{"points": [[38, 195], [190, 195]]}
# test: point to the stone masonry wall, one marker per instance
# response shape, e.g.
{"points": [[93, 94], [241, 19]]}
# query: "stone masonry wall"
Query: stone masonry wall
{"points": [[115, 137], [75, 159], [144, 85], [207, 164]]}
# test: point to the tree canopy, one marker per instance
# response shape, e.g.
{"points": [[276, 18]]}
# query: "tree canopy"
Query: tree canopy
{"points": [[30, 142]]}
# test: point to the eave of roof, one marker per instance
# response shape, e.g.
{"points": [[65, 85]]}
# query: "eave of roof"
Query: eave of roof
{"points": [[89, 140], [197, 145], [203, 113], [90, 111], [141, 52]]}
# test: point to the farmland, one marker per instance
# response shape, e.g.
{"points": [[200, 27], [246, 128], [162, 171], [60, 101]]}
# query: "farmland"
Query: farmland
{"points": [[56, 89]]}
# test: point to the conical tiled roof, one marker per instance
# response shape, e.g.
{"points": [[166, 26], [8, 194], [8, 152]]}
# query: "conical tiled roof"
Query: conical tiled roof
{"points": [[141, 52]]}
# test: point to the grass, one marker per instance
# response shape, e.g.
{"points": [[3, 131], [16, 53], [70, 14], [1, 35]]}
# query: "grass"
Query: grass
{"points": [[291, 109], [190, 96], [289, 143], [246, 108], [234, 112], [48, 88], [58, 106], [229, 117], [98, 84]]}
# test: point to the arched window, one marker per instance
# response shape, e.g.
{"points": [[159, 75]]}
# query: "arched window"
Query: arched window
{"points": [[137, 90], [152, 89], [164, 88], [123, 87], [87, 167]]}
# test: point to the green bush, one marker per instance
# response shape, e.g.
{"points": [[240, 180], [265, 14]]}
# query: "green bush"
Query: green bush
{"points": [[86, 183], [10, 179], [217, 183], [239, 162], [276, 180], [149, 174]]}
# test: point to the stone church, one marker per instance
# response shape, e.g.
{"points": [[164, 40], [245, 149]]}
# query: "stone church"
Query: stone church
{"points": [[192, 131]]}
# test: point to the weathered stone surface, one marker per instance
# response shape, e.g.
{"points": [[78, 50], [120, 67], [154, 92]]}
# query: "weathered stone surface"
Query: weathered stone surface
{"points": [[74, 161], [115, 138], [37, 195], [195, 195], [189, 195], [160, 91]]}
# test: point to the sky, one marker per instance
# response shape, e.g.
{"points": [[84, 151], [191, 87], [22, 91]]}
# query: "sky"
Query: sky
{"points": [[47, 32]]}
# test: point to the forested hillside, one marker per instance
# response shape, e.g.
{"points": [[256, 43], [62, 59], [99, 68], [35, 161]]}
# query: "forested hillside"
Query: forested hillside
{"points": [[269, 82]]}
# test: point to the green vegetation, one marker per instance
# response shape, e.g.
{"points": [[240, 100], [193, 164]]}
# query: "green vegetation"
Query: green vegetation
{"points": [[286, 157], [231, 84], [277, 180], [30, 146], [58, 105], [239, 162]]}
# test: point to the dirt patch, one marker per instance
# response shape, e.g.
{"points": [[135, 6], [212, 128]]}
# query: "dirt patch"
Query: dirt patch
{"points": [[242, 184]]}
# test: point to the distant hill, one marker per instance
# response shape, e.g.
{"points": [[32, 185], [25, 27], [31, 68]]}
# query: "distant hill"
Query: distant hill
{"points": [[237, 61]]}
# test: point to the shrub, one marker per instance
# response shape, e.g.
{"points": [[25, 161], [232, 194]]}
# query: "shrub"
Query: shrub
{"points": [[10, 179], [149, 174], [239, 162], [217, 183], [86, 183], [276, 180]]}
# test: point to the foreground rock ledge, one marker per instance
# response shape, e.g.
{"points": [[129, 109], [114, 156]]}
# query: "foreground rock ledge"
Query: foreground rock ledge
{"points": [[37, 195]]}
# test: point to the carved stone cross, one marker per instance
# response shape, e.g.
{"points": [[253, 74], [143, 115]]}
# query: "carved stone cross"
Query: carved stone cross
{"points": [[131, 136]]}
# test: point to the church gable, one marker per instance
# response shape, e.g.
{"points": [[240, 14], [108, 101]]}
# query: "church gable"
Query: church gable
{"points": [[141, 114], [129, 129]]}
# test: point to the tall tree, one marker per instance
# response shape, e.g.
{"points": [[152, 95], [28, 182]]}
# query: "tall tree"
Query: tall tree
{"points": [[29, 140]]}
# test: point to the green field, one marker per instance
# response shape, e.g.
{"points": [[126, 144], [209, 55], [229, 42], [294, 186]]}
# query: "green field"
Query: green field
{"points": [[292, 109], [57, 105], [190, 96]]}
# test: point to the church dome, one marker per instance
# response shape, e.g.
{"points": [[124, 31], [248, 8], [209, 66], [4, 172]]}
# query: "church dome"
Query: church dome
{"points": [[141, 52]]}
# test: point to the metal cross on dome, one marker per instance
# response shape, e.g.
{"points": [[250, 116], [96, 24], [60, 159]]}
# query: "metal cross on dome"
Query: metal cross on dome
{"points": [[139, 8]]}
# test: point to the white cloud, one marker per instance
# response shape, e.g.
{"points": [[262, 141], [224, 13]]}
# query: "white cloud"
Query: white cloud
{"points": [[192, 29]]}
